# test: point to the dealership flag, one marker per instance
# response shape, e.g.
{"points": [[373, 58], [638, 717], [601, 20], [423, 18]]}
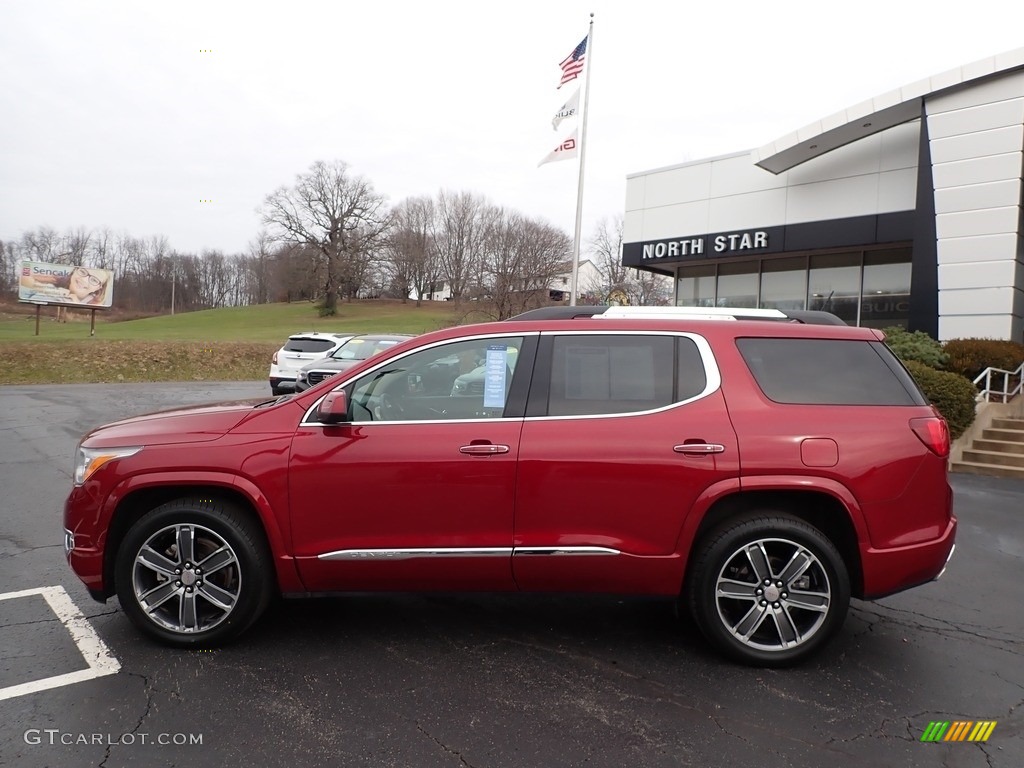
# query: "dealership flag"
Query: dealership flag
{"points": [[572, 67], [569, 109], [567, 149]]}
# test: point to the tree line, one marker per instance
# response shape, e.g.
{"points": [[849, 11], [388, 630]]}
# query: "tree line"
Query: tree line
{"points": [[332, 237]]}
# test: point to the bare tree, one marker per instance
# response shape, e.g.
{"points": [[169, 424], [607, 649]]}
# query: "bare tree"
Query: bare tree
{"points": [[649, 288], [412, 258], [605, 247], [338, 215], [8, 265], [42, 244], [76, 243], [458, 231], [102, 241], [522, 257], [259, 272], [640, 287]]}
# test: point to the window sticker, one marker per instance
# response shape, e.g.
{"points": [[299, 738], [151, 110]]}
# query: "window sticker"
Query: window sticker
{"points": [[495, 372]]}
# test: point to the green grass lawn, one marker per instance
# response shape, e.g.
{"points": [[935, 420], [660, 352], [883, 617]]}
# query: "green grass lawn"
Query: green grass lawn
{"points": [[262, 323], [229, 344]]}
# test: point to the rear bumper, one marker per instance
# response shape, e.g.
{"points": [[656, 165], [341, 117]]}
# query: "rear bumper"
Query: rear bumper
{"points": [[887, 571]]}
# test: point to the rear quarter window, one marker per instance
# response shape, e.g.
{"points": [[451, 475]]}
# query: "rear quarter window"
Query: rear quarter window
{"points": [[829, 372], [308, 345]]}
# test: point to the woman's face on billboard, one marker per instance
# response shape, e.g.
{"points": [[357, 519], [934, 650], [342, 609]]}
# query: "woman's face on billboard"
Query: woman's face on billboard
{"points": [[84, 283]]}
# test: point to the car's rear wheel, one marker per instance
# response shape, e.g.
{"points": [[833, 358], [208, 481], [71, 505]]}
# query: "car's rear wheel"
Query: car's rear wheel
{"points": [[194, 572], [768, 590]]}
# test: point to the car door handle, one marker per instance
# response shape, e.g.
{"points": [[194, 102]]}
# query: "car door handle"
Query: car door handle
{"points": [[698, 449], [483, 450]]}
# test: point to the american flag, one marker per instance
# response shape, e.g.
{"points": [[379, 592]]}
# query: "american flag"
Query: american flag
{"points": [[573, 64]]}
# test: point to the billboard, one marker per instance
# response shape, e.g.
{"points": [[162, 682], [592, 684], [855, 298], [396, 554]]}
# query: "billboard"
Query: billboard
{"points": [[66, 284]]}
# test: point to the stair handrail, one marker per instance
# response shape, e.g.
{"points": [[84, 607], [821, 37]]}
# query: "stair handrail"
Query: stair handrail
{"points": [[987, 393]]}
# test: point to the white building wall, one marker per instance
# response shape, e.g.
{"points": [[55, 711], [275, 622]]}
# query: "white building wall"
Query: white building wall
{"points": [[976, 140], [873, 176], [976, 135]]}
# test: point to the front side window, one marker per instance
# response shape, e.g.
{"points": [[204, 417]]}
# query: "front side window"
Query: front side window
{"points": [[461, 380]]}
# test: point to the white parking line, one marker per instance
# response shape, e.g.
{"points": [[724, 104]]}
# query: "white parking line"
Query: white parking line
{"points": [[99, 658]]}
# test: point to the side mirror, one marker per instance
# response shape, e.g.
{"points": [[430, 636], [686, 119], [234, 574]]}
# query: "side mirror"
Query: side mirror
{"points": [[333, 409]]}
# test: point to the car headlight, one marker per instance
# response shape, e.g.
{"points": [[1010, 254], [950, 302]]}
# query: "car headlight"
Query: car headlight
{"points": [[301, 376], [88, 460]]}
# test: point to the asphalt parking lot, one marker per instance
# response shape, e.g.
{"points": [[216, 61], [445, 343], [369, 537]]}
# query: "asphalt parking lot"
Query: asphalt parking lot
{"points": [[413, 680]]}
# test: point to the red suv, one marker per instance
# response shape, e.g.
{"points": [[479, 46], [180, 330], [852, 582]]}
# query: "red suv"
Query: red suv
{"points": [[762, 471]]}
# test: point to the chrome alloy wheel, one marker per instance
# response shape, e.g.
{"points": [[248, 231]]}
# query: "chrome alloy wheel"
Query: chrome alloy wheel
{"points": [[773, 594], [186, 578]]}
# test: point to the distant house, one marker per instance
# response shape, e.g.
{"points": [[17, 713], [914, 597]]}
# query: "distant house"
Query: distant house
{"points": [[558, 289], [587, 278], [435, 292]]}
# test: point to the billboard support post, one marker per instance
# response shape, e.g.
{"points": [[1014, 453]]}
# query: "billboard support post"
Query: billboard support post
{"points": [[92, 322], [39, 308]]}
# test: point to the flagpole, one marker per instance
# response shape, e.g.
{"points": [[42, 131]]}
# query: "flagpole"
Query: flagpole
{"points": [[583, 156]]}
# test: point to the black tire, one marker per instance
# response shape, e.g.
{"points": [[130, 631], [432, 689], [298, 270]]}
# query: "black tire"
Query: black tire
{"points": [[785, 589], [203, 599], [276, 390]]}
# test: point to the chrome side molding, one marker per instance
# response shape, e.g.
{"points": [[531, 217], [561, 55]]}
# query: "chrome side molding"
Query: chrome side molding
{"points": [[409, 554]]}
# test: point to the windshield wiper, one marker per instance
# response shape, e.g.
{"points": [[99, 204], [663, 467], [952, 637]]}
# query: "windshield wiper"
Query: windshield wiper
{"points": [[278, 399]]}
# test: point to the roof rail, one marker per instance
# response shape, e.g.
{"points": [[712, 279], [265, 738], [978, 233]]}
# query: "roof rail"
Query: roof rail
{"points": [[724, 313], [809, 316], [560, 313]]}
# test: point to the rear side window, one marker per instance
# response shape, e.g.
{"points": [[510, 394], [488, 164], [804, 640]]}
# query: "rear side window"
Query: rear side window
{"points": [[610, 374], [308, 345], [829, 372], [623, 374]]}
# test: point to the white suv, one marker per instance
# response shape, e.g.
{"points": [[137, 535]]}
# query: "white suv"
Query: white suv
{"points": [[300, 349]]}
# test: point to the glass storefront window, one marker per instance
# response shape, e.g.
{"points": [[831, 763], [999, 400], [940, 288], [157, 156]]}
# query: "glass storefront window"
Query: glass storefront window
{"points": [[695, 286], [784, 283], [834, 285], [737, 285], [868, 288], [886, 299]]}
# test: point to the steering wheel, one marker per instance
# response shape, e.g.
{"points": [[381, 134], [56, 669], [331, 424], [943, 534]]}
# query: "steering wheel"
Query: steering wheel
{"points": [[391, 408]]}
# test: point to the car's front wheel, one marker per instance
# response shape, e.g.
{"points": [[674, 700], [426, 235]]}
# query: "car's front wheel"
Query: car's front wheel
{"points": [[194, 572], [768, 590]]}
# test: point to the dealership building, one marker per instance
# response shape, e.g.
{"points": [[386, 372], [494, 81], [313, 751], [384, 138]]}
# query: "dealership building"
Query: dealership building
{"points": [[902, 210]]}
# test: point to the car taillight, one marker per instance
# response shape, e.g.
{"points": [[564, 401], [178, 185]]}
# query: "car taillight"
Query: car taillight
{"points": [[933, 432], [274, 358]]}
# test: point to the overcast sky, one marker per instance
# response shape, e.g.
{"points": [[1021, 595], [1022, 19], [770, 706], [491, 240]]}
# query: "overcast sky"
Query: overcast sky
{"points": [[127, 114]]}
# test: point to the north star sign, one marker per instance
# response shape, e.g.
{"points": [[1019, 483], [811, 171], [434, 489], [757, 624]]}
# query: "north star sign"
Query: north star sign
{"points": [[749, 241]]}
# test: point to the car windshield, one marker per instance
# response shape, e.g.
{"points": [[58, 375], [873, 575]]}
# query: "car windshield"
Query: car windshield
{"points": [[360, 349]]}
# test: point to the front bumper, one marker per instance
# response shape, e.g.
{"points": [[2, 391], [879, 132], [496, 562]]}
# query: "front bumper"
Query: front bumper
{"points": [[282, 384], [84, 554]]}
